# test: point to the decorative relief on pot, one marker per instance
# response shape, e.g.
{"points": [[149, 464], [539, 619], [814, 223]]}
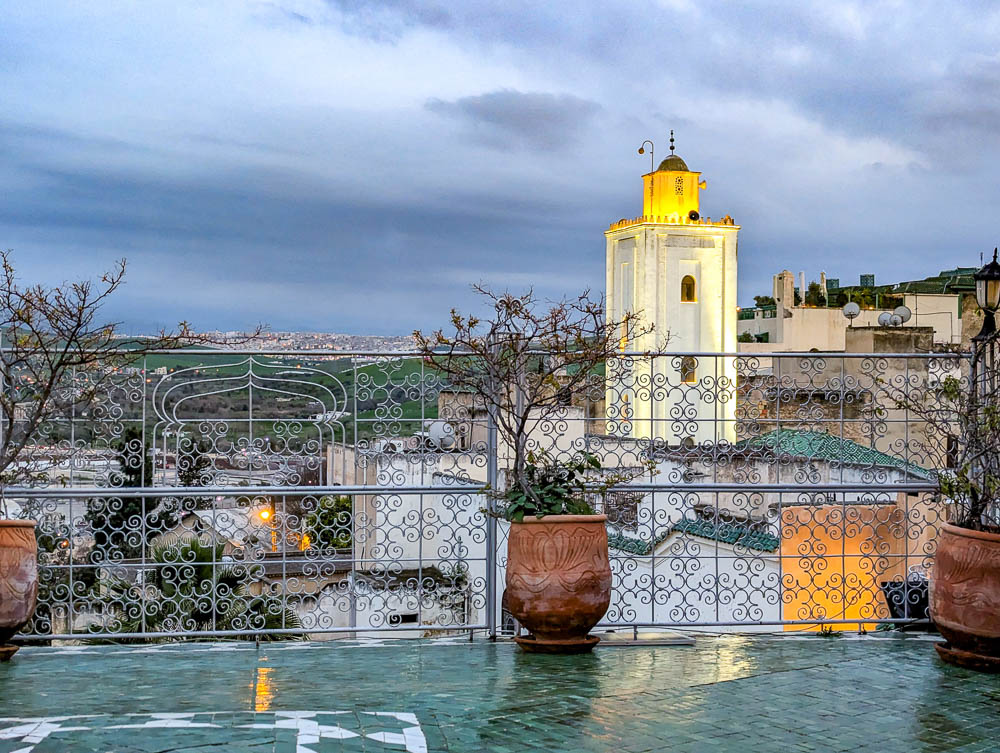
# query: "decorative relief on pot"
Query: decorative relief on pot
{"points": [[965, 588], [569, 556], [18, 578]]}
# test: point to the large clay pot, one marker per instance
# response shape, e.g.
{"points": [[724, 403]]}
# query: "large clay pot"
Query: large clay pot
{"points": [[18, 579], [558, 580], [965, 597]]}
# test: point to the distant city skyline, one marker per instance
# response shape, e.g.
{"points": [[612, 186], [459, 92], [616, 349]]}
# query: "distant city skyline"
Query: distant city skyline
{"points": [[319, 165]]}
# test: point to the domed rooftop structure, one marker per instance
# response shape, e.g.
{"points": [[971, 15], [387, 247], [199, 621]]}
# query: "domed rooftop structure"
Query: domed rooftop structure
{"points": [[673, 162]]}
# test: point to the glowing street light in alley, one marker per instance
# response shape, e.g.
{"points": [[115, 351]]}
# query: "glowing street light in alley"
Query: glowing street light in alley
{"points": [[266, 515]]}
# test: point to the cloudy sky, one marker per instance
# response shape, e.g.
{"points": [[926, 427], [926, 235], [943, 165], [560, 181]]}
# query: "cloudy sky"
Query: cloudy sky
{"points": [[341, 165]]}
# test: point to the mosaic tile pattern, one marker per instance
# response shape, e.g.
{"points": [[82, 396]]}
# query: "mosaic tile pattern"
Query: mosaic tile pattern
{"points": [[291, 731], [879, 694]]}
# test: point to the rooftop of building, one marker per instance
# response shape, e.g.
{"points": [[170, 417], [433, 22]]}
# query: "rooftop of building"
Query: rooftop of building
{"points": [[725, 532], [794, 444], [957, 280], [816, 445], [673, 163], [725, 221]]}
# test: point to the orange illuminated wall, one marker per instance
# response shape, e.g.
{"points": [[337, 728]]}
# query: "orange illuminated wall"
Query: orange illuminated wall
{"points": [[835, 557]]}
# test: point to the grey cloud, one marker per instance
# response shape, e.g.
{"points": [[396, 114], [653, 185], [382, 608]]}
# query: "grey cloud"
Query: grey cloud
{"points": [[967, 100], [389, 19], [243, 193], [852, 65], [509, 118], [240, 246]]}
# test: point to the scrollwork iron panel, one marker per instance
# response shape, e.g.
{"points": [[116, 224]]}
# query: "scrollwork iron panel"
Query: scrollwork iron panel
{"points": [[262, 493]]}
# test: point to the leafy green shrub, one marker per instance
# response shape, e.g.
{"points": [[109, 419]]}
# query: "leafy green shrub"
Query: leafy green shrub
{"points": [[553, 488], [329, 525]]}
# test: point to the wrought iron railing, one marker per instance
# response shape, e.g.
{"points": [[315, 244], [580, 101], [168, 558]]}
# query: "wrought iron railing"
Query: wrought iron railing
{"points": [[320, 493]]}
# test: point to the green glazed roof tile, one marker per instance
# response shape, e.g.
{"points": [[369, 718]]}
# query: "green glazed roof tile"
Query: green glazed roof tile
{"points": [[726, 533], [817, 445]]}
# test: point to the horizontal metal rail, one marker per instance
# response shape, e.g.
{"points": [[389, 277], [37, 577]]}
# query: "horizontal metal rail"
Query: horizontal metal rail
{"points": [[230, 491], [112, 637], [236, 633], [327, 352], [350, 491], [768, 623]]}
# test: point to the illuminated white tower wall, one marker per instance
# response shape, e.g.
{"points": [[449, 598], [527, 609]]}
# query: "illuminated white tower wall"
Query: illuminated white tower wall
{"points": [[677, 271]]}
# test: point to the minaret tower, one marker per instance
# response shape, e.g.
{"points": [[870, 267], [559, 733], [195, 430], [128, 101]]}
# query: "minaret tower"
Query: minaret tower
{"points": [[677, 271]]}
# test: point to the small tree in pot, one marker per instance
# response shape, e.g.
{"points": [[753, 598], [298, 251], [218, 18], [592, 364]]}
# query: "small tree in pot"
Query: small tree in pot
{"points": [[56, 360], [959, 436], [526, 364]]}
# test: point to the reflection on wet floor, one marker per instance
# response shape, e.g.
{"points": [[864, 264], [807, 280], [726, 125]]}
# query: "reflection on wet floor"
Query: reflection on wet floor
{"points": [[721, 694]]}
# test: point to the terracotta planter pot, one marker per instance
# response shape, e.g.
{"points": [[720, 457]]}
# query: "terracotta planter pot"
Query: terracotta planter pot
{"points": [[18, 579], [559, 580], [965, 597]]}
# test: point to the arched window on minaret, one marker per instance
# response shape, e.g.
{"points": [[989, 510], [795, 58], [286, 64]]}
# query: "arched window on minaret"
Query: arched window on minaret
{"points": [[688, 290]]}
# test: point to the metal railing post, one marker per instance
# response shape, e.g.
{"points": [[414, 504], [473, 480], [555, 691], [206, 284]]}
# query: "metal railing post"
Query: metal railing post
{"points": [[492, 476]]}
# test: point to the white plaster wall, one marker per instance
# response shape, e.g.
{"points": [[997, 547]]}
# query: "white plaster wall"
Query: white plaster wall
{"points": [[825, 329], [695, 580], [662, 254]]}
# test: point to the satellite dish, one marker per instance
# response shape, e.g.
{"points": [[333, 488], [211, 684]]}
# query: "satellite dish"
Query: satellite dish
{"points": [[442, 434], [903, 313], [895, 320], [884, 319], [851, 310]]}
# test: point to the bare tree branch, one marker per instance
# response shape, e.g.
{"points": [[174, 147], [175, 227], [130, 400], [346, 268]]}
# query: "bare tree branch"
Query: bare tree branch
{"points": [[527, 361], [959, 436], [57, 360]]}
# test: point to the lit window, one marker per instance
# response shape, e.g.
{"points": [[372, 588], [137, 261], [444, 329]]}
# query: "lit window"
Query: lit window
{"points": [[688, 290], [688, 370]]}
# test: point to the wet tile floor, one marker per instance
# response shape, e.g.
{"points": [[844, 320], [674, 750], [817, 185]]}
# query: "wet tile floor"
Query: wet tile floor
{"points": [[883, 694]]}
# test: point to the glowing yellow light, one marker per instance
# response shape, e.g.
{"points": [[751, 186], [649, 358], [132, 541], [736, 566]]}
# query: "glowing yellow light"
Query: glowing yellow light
{"points": [[671, 195], [305, 541], [263, 689], [265, 514]]}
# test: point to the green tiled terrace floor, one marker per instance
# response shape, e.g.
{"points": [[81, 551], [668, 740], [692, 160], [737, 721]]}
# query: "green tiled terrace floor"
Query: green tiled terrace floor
{"points": [[878, 693]]}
